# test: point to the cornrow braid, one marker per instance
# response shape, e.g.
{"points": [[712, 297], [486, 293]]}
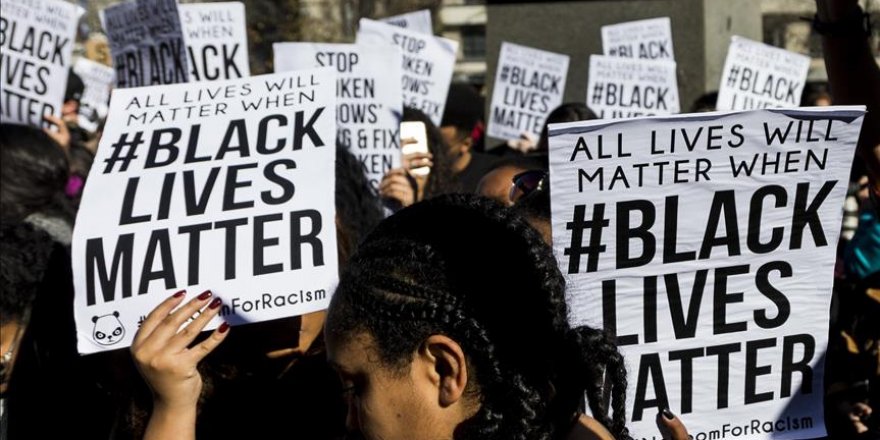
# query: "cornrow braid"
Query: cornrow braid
{"points": [[443, 267]]}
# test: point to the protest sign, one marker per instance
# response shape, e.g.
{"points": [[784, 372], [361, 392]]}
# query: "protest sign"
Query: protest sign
{"points": [[418, 21], [36, 45], [98, 80], [756, 75], [146, 43], [369, 100], [529, 84], [625, 88], [645, 39], [227, 186], [428, 63], [216, 40], [706, 244]]}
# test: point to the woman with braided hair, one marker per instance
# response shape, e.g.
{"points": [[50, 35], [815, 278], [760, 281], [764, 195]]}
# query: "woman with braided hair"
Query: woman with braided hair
{"points": [[437, 332], [441, 332]]}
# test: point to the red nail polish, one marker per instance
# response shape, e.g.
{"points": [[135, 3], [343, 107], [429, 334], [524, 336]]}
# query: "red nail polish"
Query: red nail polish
{"points": [[223, 327], [179, 294], [216, 303], [205, 295]]}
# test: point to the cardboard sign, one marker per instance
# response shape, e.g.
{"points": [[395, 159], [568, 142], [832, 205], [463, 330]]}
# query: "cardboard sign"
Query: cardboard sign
{"points": [[706, 243], [216, 40], [428, 63], [146, 43], [418, 21], [227, 186], [98, 80], [529, 84], [36, 45], [644, 39], [756, 75], [625, 88], [369, 99]]}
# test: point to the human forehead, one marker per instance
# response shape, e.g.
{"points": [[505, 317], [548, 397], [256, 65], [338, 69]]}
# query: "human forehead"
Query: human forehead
{"points": [[351, 353]]}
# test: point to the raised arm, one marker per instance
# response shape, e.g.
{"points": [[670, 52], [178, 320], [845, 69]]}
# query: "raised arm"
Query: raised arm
{"points": [[162, 353], [853, 73]]}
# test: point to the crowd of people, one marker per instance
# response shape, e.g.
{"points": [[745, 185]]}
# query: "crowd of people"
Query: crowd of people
{"points": [[412, 345]]}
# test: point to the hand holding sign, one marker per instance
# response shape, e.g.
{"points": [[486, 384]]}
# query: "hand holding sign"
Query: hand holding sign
{"points": [[161, 354]]}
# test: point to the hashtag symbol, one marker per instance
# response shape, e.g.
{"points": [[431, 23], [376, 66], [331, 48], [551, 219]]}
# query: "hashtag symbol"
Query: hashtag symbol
{"points": [[141, 320], [505, 71], [597, 93], [124, 151], [733, 76], [577, 225]]}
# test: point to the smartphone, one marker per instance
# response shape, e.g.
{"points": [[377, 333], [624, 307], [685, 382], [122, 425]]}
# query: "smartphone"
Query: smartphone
{"points": [[417, 131]]}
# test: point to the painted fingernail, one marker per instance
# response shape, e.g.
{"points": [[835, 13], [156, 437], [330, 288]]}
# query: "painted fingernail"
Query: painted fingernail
{"points": [[179, 294], [205, 295], [223, 327], [668, 414], [216, 303]]}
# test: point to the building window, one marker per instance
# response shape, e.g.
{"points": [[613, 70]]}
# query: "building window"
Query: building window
{"points": [[473, 40]]}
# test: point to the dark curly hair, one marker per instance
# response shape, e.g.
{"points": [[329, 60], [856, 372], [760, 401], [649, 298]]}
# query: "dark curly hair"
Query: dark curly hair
{"points": [[358, 209], [24, 257], [33, 173], [495, 288]]}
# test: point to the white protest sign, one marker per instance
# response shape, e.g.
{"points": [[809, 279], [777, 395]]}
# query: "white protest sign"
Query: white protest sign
{"points": [[428, 63], [706, 243], [98, 80], [369, 100], [146, 43], [756, 75], [649, 39], [227, 186], [36, 45], [216, 40], [529, 84], [418, 21], [624, 87]]}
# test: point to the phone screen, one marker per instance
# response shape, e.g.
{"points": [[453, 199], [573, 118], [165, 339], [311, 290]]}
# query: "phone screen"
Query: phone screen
{"points": [[415, 130]]}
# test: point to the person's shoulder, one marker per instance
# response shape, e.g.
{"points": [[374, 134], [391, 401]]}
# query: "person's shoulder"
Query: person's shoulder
{"points": [[588, 428]]}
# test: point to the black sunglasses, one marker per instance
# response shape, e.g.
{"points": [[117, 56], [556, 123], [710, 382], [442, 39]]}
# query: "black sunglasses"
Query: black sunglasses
{"points": [[526, 183]]}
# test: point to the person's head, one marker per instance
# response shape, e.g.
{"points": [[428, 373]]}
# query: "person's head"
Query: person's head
{"points": [[33, 173], [568, 112], [463, 112], [442, 332], [496, 183], [441, 180], [24, 257], [705, 103], [535, 207], [815, 94], [72, 97]]}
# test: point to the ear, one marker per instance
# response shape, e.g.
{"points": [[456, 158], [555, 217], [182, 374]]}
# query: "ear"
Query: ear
{"points": [[115, 313], [94, 319], [447, 368]]}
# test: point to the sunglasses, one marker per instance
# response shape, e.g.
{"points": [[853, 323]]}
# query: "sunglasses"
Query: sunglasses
{"points": [[526, 183]]}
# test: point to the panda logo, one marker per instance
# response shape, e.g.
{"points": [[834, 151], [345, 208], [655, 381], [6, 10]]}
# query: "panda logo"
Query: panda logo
{"points": [[108, 329]]}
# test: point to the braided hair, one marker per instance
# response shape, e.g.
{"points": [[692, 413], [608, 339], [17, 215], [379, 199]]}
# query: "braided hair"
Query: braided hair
{"points": [[465, 267]]}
